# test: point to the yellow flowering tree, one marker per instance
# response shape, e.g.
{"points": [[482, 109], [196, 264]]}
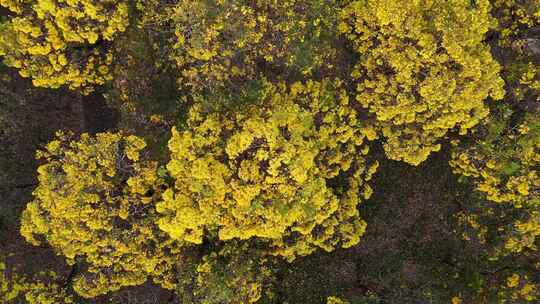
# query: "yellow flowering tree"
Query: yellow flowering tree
{"points": [[95, 205], [289, 170], [217, 42], [62, 43], [423, 69]]}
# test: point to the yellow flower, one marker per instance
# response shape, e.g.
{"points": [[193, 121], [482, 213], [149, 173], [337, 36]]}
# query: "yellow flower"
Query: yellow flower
{"points": [[513, 280], [456, 300]]}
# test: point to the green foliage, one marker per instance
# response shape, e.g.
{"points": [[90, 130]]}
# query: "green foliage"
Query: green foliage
{"points": [[145, 91]]}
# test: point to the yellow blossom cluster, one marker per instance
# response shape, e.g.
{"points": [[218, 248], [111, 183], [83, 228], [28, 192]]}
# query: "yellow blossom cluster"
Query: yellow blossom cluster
{"points": [[94, 205], [10, 286], [473, 227], [528, 83], [335, 300], [423, 69], [39, 289], [222, 41], [288, 169], [456, 300], [521, 288], [64, 42]]}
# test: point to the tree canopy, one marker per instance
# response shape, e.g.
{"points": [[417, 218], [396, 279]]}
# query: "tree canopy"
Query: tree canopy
{"points": [[272, 152]]}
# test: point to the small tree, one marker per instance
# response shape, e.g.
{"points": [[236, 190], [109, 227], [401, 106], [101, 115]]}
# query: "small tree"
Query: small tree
{"points": [[95, 205]]}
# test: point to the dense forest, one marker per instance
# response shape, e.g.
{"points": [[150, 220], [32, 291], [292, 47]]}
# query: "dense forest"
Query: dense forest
{"points": [[269, 151]]}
